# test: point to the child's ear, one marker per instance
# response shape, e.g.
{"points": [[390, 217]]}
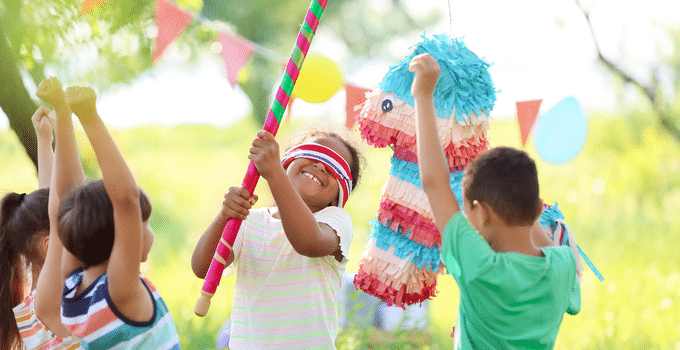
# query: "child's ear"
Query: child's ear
{"points": [[484, 211], [43, 246]]}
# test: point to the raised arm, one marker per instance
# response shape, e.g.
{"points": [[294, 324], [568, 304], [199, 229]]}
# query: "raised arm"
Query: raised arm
{"points": [[42, 124], [307, 236], [434, 172], [126, 255], [237, 203], [66, 175]]}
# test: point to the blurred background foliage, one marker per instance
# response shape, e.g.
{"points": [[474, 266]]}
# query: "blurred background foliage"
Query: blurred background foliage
{"points": [[112, 44]]}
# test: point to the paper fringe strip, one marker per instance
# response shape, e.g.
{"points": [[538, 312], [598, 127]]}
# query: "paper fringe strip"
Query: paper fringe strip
{"points": [[402, 259], [396, 281], [464, 81], [552, 221]]}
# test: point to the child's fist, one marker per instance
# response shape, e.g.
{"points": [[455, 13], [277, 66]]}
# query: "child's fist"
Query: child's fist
{"points": [[42, 122], [82, 101], [427, 71], [51, 91], [237, 203]]}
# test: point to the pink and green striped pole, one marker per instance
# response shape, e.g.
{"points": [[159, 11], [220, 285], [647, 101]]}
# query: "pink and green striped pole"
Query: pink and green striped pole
{"points": [[297, 57]]}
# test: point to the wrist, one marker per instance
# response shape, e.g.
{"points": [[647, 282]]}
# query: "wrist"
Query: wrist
{"points": [[62, 109], [423, 97], [46, 137]]}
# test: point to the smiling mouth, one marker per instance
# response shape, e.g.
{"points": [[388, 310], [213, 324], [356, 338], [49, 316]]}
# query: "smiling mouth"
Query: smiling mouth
{"points": [[309, 175]]}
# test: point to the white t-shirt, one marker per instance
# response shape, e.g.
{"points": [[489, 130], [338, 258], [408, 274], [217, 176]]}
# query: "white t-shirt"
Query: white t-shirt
{"points": [[282, 299]]}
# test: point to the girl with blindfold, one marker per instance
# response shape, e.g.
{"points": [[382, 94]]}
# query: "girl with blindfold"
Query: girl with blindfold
{"points": [[290, 257]]}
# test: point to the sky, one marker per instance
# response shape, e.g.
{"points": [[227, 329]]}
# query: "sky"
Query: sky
{"points": [[539, 50]]}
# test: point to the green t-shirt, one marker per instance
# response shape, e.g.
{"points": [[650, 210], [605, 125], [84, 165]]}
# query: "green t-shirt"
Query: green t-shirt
{"points": [[508, 300]]}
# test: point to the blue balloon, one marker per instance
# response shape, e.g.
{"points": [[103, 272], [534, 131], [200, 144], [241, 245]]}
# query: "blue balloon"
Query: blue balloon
{"points": [[561, 132]]}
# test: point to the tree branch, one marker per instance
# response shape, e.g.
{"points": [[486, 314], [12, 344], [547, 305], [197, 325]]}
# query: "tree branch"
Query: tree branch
{"points": [[649, 91]]}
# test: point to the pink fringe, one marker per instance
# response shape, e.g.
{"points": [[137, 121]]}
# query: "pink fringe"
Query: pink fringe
{"points": [[457, 155], [423, 230], [399, 297]]}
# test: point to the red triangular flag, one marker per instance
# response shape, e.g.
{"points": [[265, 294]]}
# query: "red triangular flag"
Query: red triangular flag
{"points": [[526, 116], [355, 95], [235, 52], [171, 21], [89, 5]]}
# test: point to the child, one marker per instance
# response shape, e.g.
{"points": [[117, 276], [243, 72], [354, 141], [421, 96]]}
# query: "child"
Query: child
{"points": [[513, 293], [290, 257], [24, 237], [103, 226]]}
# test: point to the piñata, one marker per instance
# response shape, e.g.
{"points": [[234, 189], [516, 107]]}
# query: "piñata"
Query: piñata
{"points": [[402, 258]]}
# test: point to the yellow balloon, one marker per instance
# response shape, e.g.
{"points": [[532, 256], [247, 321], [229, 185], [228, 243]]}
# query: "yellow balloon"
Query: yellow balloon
{"points": [[319, 79]]}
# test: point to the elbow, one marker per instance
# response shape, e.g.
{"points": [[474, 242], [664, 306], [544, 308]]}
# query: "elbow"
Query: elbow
{"points": [[304, 250], [127, 201], [307, 249], [42, 310], [431, 183], [200, 269]]}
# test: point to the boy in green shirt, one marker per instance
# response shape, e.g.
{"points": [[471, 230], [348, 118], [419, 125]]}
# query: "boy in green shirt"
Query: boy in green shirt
{"points": [[514, 290]]}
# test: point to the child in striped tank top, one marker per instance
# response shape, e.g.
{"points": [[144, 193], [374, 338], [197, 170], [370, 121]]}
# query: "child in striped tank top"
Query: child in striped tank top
{"points": [[104, 227], [291, 257], [24, 237]]}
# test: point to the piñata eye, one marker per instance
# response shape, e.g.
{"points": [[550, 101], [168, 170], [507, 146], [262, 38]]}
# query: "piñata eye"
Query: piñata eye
{"points": [[387, 104]]}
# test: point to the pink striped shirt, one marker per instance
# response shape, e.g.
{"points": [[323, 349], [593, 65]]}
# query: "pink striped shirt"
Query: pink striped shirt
{"points": [[34, 333], [283, 299]]}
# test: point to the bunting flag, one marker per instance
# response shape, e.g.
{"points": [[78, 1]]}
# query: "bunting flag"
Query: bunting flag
{"points": [[235, 51], [171, 21], [355, 97], [89, 5], [526, 116]]}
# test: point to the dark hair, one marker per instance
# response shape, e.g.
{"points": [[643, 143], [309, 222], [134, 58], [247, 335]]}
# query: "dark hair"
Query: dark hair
{"points": [[340, 133], [24, 220], [506, 179], [85, 223]]}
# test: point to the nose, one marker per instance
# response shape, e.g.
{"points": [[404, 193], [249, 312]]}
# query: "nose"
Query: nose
{"points": [[320, 166]]}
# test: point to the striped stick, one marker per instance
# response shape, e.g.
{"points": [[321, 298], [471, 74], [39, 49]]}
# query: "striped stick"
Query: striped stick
{"points": [[297, 57]]}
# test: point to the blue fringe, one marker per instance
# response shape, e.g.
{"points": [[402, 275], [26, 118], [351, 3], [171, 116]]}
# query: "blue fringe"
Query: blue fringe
{"points": [[464, 81], [549, 216], [403, 246], [407, 171]]}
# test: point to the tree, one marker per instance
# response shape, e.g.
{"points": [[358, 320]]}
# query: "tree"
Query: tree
{"points": [[662, 107], [112, 44]]}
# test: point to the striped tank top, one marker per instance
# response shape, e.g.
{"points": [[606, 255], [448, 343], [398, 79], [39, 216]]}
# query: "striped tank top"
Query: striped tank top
{"points": [[94, 319]]}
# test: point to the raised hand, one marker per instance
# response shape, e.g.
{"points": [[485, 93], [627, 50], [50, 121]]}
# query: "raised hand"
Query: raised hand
{"points": [[42, 120], [51, 91], [427, 69], [265, 154], [82, 101]]}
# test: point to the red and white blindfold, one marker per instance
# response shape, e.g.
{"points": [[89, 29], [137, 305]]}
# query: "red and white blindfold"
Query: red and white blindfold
{"points": [[337, 165]]}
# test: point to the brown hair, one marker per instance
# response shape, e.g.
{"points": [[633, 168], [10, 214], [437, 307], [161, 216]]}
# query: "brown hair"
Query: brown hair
{"points": [[340, 133], [506, 179], [24, 220], [85, 223]]}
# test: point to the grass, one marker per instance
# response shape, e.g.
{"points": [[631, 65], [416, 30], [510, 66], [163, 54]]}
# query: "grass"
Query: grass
{"points": [[620, 195]]}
